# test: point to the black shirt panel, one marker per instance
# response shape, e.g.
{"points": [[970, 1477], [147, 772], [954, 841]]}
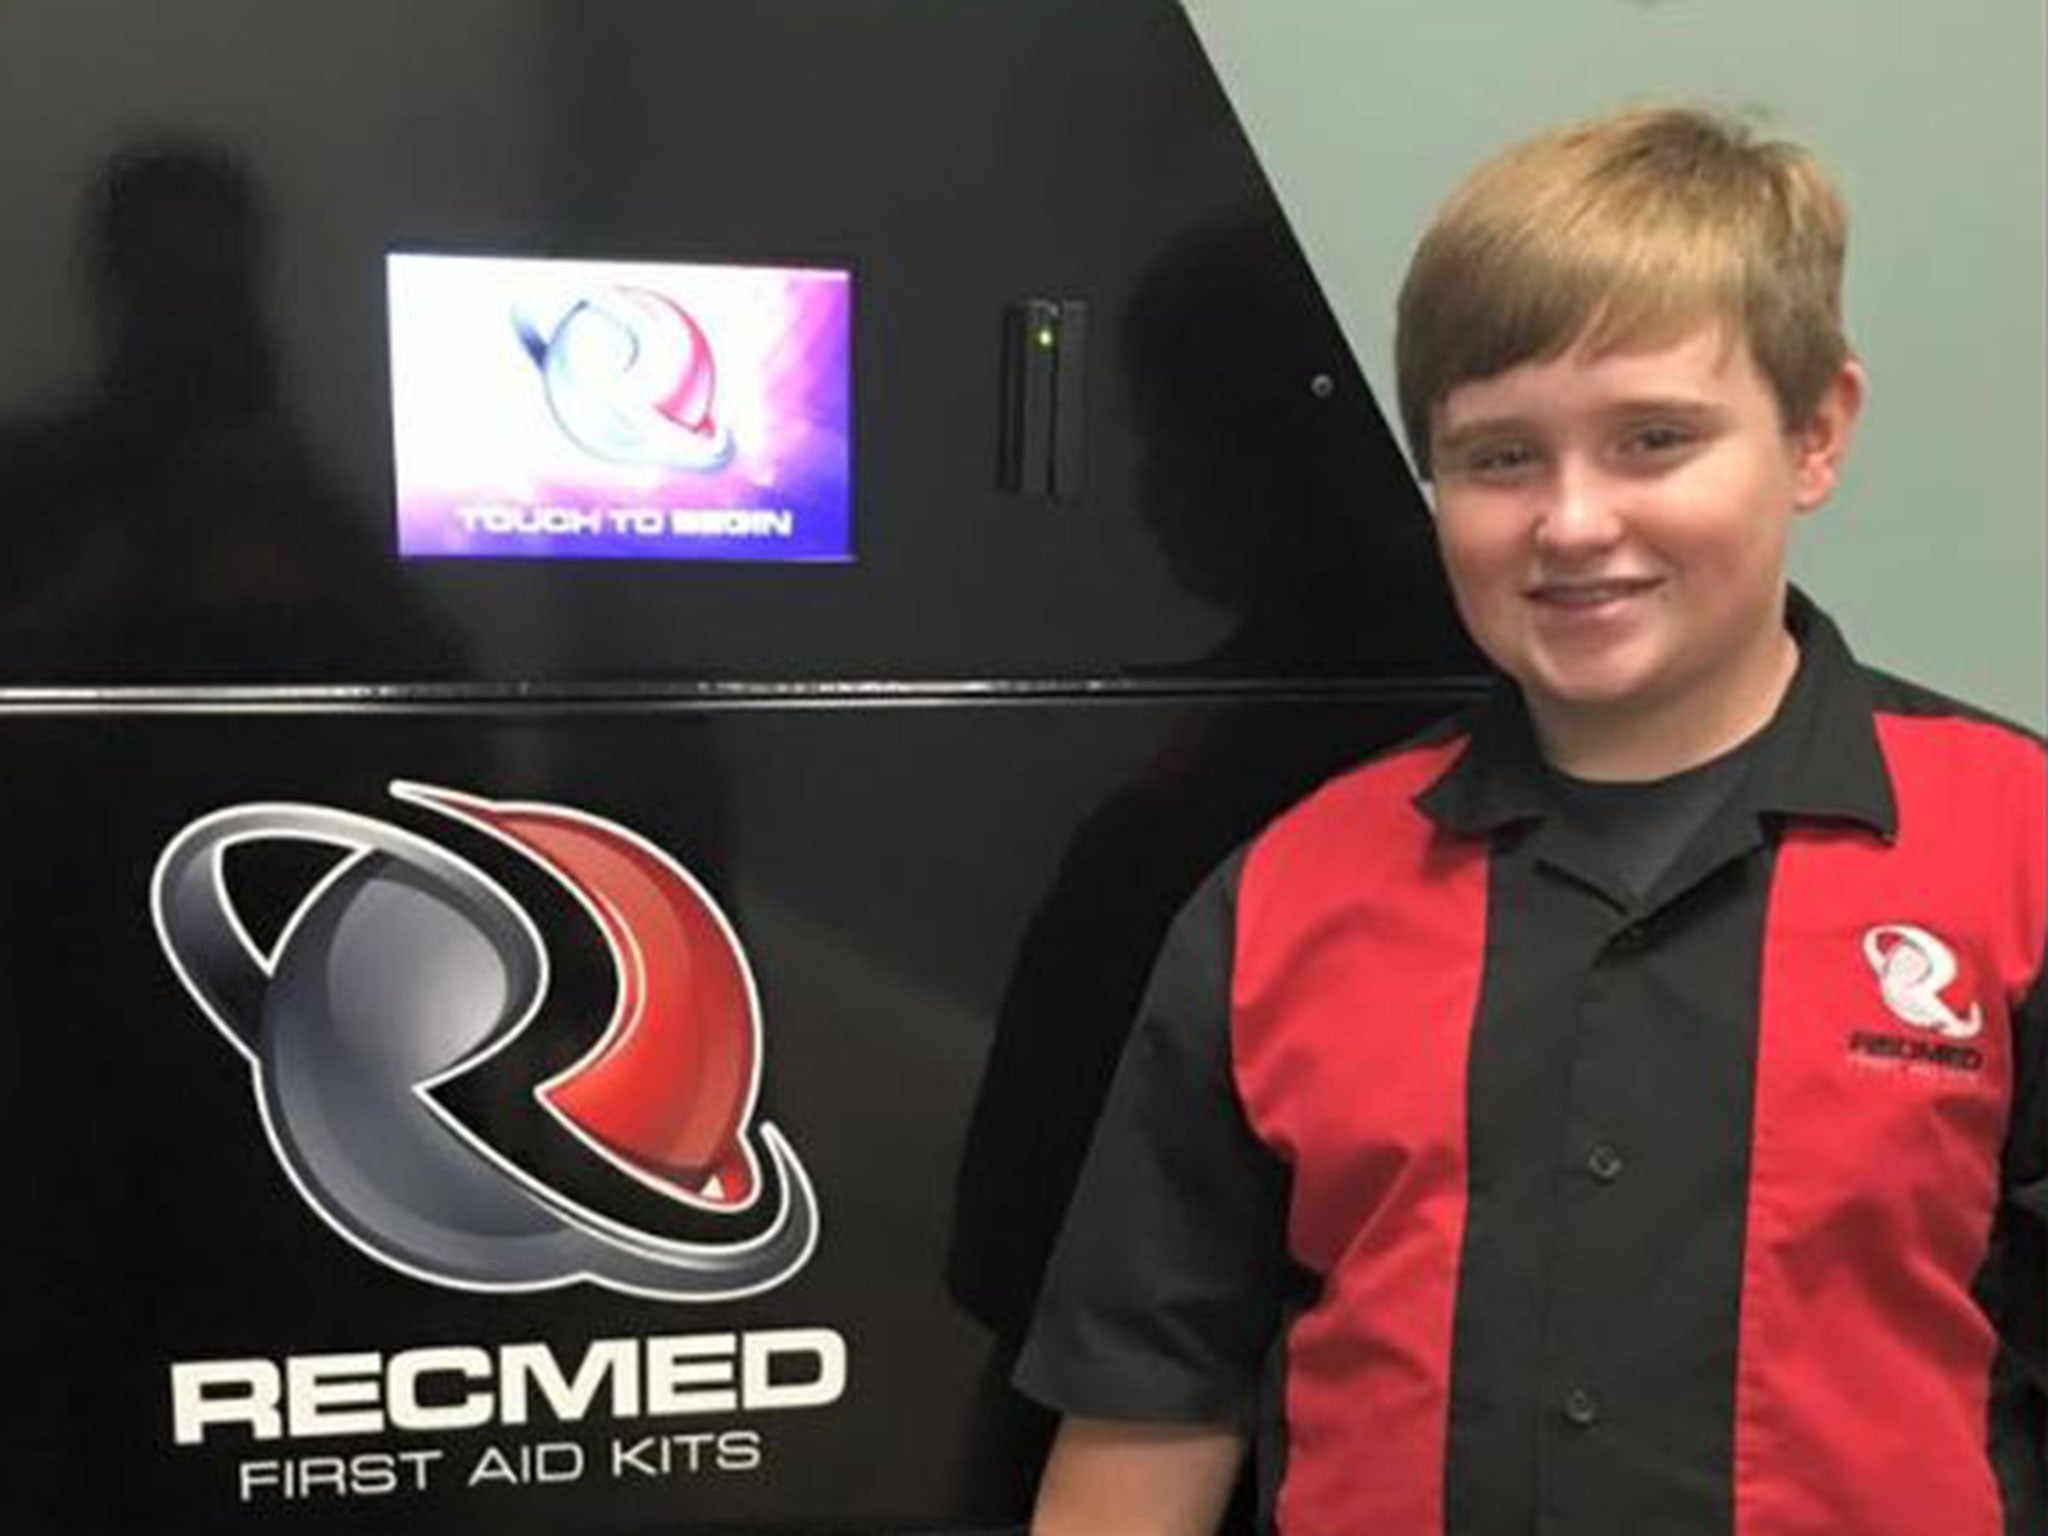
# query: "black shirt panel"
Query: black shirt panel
{"points": [[2017, 1427], [2025, 1169], [1168, 1283], [1517, 1087], [2014, 1284], [1594, 1361]]}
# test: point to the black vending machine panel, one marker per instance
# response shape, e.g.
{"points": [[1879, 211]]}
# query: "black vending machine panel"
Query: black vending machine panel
{"points": [[620, 625]]}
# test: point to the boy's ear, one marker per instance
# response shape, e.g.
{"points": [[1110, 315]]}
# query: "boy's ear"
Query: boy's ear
{"points": [[1821, 446]]}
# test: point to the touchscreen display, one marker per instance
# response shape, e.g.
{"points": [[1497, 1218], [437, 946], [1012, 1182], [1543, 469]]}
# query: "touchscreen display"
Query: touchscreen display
{"points": [[560, 410]]}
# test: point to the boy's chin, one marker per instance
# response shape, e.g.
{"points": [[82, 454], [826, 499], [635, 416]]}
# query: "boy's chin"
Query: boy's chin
{"points": [[1591, 692]]}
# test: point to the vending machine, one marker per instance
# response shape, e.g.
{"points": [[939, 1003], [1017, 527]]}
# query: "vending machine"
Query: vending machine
{"points": [[620, 625]]}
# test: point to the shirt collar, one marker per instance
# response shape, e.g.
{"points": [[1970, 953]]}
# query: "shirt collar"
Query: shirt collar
{"points": [[1819, 757]]}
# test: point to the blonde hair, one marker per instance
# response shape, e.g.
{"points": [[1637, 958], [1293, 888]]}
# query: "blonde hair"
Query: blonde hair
{"points": [[1631, 229]]}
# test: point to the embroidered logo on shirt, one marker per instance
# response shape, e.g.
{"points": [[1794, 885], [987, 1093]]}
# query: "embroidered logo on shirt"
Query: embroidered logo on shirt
{"points": [[1913, 967]]}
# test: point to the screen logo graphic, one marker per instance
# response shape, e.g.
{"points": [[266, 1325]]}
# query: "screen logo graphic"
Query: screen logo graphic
{"points": [[631, 379], [406, 967]]}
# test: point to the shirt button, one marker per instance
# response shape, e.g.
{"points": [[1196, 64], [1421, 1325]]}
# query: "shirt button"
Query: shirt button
{"points": [[1627, 941], [1580, 1408], [1604, 1163]]}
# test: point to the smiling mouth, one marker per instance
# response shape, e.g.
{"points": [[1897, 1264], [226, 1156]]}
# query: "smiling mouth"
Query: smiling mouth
{"points": [[1591, 594]]}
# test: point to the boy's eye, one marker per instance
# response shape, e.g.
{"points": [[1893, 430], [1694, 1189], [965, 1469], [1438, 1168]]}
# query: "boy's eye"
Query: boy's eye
{"points": [[1497, 459], [1657, 437]]}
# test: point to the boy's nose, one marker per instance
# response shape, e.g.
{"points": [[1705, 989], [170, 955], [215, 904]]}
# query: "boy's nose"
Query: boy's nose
{"points": [[1581, 510]]}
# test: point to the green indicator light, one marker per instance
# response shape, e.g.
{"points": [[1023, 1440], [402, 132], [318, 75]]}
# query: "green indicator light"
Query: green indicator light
{"points": [[1046, 337]]}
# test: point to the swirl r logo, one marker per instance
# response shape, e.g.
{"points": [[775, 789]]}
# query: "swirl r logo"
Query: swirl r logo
{"points": [[406, 967], [1913, 969], [631, 379]]}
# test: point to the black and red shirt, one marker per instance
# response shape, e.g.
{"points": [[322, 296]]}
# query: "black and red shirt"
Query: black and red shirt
{"points": [[1537, 1205]]}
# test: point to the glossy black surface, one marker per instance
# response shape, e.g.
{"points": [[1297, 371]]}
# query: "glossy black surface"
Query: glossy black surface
{"points": [[195, 461], [949, 894], [923, 892]]}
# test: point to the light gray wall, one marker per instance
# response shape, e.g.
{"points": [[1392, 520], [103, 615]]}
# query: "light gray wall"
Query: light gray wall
{"points": [[1934, 553]]}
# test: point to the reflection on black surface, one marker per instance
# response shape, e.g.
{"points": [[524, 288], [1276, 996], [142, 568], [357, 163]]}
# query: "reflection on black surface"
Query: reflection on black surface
{"points": [[1273, 536], [1276, 495], [1080, 972], [215, 497], [179, 498], [1249, 490]]}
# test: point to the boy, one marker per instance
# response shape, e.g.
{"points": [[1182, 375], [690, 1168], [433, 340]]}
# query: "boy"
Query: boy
{"points": [[1623, 1109]]}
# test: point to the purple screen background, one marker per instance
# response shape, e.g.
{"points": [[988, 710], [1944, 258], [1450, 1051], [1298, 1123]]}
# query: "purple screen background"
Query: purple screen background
{"points": [[486, 467]]}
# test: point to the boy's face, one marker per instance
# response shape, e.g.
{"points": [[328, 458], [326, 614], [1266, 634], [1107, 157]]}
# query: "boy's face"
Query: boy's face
{"points": [[1615, 528]]}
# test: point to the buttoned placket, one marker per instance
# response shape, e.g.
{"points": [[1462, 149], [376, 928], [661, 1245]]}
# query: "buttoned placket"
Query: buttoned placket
{"points": [[1593, 1161], [1610, 1104]]}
